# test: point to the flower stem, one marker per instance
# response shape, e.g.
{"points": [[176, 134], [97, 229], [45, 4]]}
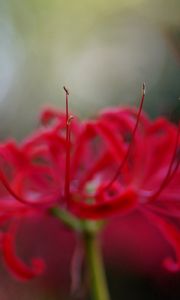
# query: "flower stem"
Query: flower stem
{"points": [[68, 219], [95, 267], [89, 233]]}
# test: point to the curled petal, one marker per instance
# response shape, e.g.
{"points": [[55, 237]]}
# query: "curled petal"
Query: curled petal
{"points": [[48, 114], [125, 115], [57, 118], [11, 153], [130, 111], [45, 200], [115, 145], [121, 204], [172, 235], [15, 265]]}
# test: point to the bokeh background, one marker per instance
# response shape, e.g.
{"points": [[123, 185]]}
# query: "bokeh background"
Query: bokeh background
{"points": [[102, 51]]}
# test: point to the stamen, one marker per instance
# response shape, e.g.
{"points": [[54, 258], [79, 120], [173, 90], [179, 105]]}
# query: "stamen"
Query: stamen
{"points": [[115, 177], [68, 140], [170, 172]]}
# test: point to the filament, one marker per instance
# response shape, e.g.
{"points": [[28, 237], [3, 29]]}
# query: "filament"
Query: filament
{"points": [[115, 177], [68, 138]]}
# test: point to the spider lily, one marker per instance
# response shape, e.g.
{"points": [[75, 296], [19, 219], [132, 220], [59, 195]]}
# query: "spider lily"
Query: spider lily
{"points": [[118, 162]]}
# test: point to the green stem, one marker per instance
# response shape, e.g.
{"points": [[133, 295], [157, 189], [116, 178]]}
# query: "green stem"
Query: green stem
{"points": [[96, 271], [68, 219], [89, 232]]}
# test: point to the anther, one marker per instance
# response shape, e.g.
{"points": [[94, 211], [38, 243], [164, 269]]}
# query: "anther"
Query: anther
{"points": [[66, 90], [143, 89]]}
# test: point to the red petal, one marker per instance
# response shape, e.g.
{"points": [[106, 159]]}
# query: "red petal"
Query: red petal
{"points": [[49, 113], [44, 200], [19, 269], [172, 235], [121, 204]]}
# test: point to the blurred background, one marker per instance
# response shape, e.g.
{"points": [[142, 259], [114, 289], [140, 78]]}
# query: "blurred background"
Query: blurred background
{"points": [[102, 51]]}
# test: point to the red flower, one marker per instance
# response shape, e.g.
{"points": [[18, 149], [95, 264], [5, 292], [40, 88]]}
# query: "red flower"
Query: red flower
{"points": [[94, 169]]}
